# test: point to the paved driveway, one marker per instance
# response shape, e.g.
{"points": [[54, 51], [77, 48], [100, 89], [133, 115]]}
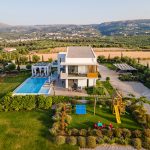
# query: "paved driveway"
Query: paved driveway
{"points": [[136, 88]]}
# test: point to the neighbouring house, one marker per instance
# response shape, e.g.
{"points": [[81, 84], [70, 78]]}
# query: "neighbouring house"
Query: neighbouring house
{"points": [[9, 49], [41, 69], [78, 67]]}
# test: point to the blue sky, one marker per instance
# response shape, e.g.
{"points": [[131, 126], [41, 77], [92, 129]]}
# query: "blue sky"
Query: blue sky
{"points": [[29, 12]]}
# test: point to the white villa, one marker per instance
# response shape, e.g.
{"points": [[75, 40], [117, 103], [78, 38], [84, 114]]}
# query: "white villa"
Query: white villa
{"points": [[78, 67]]}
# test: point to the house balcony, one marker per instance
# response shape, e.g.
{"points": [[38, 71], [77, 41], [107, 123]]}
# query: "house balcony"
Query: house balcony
{"points": [[78, 75], [92, 75]]}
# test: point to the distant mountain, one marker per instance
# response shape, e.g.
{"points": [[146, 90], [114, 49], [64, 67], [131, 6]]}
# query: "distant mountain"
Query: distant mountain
{"points": [[3, 25], [129, 27], [123, 28]]}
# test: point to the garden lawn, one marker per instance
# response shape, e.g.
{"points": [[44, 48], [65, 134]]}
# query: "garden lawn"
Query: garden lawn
{"points": [[27, 131], [109, 87], [9, 83], [104, 115]]}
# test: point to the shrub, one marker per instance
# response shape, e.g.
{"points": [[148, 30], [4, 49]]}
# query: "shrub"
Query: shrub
{"points": [[117, 132], [82, 141], [53, 131], [106, 139], [68, 119], [28, 66], [72, 140], [122, 141], [41, 101], [137, 134], [6, 102], [112, 141], [11, 67], [83, 132], [60, 140], [137, 143], [56, 117], [16, 103], [1, 107], [91, 141], [98, 133], [74, 132], [146, 143], [29, 103], [126, 133], [108, 79], [100, 140], [109, 133], [56, 125], [147, 132], [48, 102]]}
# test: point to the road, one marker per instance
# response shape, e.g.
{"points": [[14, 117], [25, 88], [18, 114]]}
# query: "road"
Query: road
{"points": [[126, 88]]}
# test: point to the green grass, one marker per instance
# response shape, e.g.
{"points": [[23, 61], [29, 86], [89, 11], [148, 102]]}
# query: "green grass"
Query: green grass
{"points": [[109, 87], [27, 131], [8, 83], [110, 66], [105, 116]]}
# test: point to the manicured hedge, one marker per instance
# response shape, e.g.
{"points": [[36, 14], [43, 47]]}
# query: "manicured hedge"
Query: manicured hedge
{"points": [[28, 102]]}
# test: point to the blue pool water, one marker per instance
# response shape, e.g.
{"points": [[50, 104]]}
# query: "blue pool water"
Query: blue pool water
{"points": [[31, 85]]}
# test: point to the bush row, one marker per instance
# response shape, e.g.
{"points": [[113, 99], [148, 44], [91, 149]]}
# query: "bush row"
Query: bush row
{"points": [[138, 138], [28, 102]]}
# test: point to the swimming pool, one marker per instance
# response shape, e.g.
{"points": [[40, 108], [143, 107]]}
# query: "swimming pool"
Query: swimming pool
{"points": [[31, 86]]}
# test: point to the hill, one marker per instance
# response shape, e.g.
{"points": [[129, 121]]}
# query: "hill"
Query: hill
{"points": [[129, 27], [121, 28]]}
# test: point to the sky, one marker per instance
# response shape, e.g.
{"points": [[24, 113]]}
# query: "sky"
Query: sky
{"points": [[33, 12]]}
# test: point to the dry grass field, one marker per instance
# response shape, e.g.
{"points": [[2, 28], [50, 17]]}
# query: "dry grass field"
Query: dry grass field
{"points": [[99, 51]]}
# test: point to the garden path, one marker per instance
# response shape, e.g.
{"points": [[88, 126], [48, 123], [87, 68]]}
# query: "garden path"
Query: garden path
{"points": [[111, 147]]}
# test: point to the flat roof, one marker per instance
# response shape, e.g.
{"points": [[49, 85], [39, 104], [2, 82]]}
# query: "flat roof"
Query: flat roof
{"points": [[80, 52], [125, 67], [41, 64]]}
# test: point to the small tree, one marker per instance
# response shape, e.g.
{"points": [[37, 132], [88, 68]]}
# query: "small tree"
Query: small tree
{"points": [[50, 60], [35, 58], [101, 59], [42, 58]]}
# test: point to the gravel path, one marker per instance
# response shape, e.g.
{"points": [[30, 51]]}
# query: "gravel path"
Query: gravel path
{"points": [[111, 147]]}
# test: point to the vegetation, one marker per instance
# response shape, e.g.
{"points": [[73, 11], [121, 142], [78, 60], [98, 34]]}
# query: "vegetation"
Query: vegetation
{"points": [[99, 89], [9, 83], [86, 137], [142, 75], [26, 130], [103, 114], [28, 102]]}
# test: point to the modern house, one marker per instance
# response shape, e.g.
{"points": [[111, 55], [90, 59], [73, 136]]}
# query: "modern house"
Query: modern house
{"points": [[78, 67]]}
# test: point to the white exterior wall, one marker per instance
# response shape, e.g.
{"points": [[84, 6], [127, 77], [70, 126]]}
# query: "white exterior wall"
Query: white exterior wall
{"points": [[92, 82], [80, 60], [82, 83], [82, 69], [66, 83], [61, 56]]}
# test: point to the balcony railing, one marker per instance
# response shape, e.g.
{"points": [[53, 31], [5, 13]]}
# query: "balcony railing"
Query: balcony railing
{"points": [[92, 75], [88, 75]]}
